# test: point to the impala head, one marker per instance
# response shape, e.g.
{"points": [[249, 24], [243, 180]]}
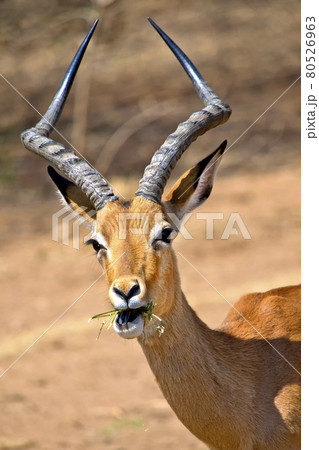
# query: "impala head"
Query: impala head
{"points": [[133, 239]]}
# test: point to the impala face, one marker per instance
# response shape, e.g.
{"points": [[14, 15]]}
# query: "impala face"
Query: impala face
{"points": [[133, 245]]}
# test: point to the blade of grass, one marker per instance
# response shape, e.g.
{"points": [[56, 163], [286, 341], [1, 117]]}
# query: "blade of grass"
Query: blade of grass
{"points": [[111, 315]]}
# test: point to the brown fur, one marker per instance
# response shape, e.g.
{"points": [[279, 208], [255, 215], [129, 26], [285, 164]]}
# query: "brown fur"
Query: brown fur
{"points": [[228, 386]]}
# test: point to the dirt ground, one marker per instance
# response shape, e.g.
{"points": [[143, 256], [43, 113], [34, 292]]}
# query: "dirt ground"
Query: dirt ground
{"points": [[62, 388]]}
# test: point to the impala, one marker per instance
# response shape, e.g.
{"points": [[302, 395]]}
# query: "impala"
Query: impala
{"points": [[235, 387]]}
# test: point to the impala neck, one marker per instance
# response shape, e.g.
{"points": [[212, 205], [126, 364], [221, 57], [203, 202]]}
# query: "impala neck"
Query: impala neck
{"points": [[196, 370]]}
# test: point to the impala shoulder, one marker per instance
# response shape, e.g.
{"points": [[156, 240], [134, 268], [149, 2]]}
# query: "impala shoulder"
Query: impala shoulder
{"points": [[274, 312]]}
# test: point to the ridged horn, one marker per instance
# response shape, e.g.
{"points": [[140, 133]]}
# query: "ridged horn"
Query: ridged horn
{"points": [[216, 112], [77, 169]]}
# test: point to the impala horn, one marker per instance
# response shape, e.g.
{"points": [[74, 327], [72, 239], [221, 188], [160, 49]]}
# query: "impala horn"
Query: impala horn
{"points": [[78, 170], [216, 112]]}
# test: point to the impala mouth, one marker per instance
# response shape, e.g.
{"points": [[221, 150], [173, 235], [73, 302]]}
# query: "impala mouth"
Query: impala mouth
{"points": [[129, 323]]}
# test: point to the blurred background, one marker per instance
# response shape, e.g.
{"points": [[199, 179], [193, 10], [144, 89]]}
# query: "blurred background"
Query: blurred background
{"points": [[70, 390]]}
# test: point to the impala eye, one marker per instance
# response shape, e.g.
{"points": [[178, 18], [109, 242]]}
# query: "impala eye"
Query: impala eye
{"points": [[95, 244], [166, 235]]}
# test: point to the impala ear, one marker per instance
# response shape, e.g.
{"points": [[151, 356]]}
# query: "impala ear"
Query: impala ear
{"points": [[195, 185], [73, 196]]}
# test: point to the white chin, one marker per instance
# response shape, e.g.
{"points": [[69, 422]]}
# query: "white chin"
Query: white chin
{"points": [[130, 330]]}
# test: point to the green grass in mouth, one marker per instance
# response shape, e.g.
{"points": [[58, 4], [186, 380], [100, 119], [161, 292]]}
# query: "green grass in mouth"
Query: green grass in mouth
{"points": [[147, 312]]}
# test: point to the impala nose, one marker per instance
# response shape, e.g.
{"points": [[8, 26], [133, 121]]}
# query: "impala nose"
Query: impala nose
{"points": [[132, 291], [127, 293]]}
